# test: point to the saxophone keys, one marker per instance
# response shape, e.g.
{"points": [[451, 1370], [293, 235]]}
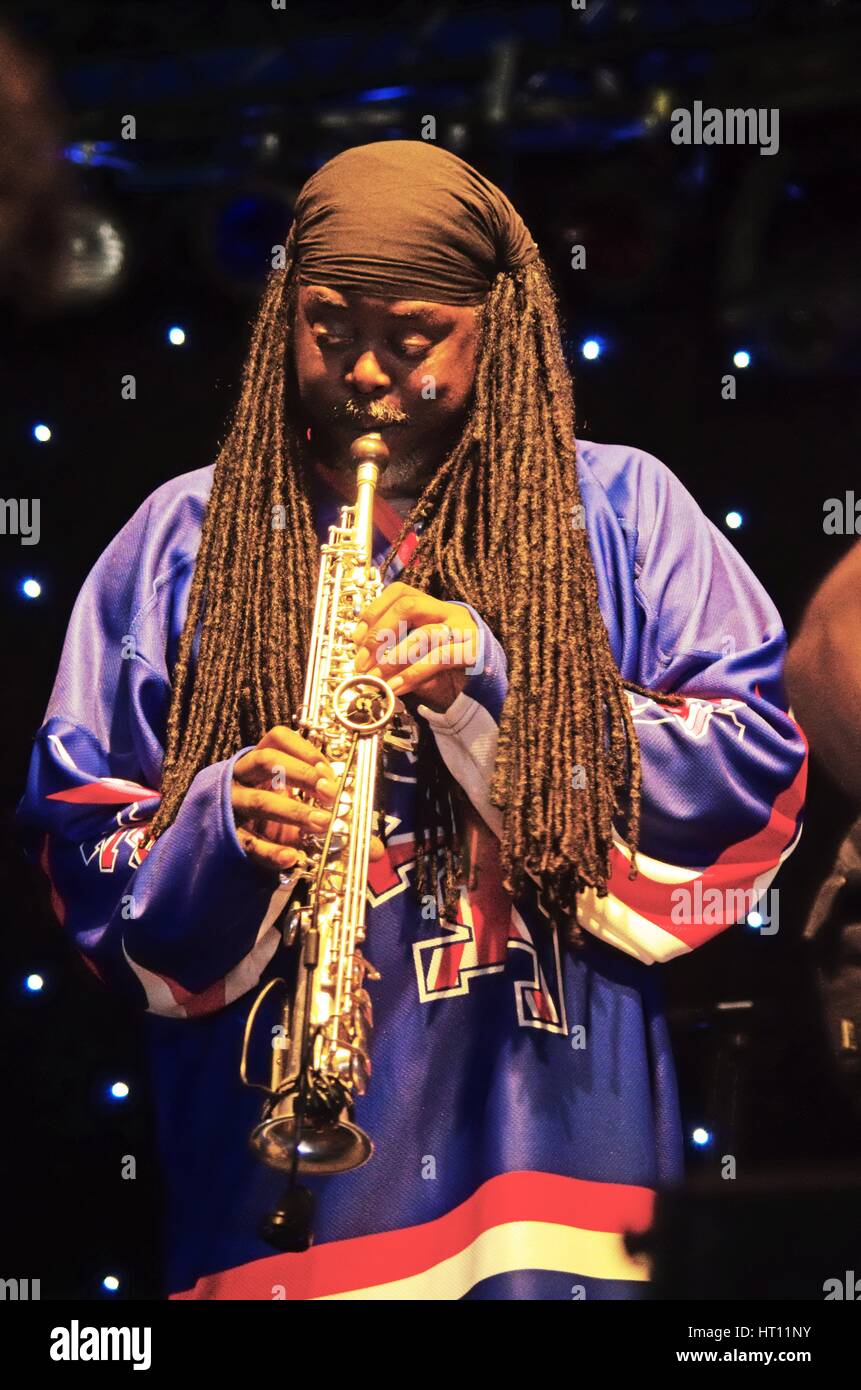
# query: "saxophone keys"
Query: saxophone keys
{"points": [[361, 1074], [363, 999]]}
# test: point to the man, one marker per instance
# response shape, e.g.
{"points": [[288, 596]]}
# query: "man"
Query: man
{"points": [[823, 678], [823, 673], [35, 181], [523, 1102]]}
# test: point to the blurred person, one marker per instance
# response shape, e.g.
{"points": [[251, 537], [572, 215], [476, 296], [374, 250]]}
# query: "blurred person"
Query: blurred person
{"points": [[34, 180], [823, 673], [622, 735], [823, 677]]}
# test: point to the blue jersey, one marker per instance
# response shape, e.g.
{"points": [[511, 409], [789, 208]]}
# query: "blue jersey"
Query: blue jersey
{"points": [[523, 1102]]}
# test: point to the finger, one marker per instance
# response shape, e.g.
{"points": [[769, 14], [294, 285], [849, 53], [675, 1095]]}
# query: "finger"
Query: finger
{"points": [[269, 767], [373, 612], [402, 642], [288, 740], [269, 855], [291, 835], [278, 832], [381, 620], [251, 802], [430, 668], [434, 641]]}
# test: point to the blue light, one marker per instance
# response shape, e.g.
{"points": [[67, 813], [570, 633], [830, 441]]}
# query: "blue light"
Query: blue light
{"points": [[701, 1137], [97, 153], [34, 983], [119, 1090], [176, 335], [741, 358], [30, 588], [734, 520], [42, 433], [110, 1283], [591, 348], [384, 93]]}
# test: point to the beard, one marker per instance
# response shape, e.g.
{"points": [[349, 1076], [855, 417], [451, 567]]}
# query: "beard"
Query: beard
{"points": [[406, 476]]}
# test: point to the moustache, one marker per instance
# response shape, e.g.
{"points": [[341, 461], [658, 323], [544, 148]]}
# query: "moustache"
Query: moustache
{"points": [[369, 415]]}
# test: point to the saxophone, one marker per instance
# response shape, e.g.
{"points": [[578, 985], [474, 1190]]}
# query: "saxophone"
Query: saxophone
{"points": [[320, 1057]]}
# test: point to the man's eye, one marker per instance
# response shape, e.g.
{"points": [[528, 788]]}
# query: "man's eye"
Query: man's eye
{"points": [[325, 337], [412, 347]]}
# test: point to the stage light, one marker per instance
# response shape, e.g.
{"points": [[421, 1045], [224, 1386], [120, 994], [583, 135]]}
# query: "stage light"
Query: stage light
{"points": [[734, 520], [741, 358], [701, 1137], [176, 335], [42, 433], [99, 153], [110, 1283], [95, 254], [385, 93], [119, 1090], [34, 983], [30, 588], [591, 348]]}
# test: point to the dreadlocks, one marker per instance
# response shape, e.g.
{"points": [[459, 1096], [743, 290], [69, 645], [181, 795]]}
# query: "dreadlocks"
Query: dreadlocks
{"points": [[500, 532]]}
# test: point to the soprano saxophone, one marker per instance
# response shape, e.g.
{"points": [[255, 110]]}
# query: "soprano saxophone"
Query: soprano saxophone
{"points": [[320, 1056]]}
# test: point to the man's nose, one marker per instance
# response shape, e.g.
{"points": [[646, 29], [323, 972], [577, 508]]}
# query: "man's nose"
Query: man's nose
{"points": [[367, 375]]}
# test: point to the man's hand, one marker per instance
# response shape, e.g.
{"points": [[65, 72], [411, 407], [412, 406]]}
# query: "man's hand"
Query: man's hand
{"points": [[418, 644], [271, 821]]}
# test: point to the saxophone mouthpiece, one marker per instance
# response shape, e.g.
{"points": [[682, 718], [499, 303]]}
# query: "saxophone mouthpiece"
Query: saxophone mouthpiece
{"points": [[370, 448]]}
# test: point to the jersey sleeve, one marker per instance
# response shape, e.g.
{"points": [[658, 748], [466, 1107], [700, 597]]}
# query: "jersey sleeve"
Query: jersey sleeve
{"points": [[187, 927], [723, 776]]}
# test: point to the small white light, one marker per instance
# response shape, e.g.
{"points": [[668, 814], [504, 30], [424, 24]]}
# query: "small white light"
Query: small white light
{"points": [[590, 349], [42, 433], [741, 358], [31, 588], [701, 1136], [34, 983], [176, 335], [111, 1283], [754, 919], [119, 1090], [733, 520]]}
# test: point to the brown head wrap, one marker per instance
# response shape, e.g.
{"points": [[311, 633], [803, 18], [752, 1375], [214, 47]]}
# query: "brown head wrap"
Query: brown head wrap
{"points": [[404, 219]]}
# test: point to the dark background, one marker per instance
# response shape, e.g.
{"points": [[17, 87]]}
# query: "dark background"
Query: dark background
{"points": [[692, 253]]}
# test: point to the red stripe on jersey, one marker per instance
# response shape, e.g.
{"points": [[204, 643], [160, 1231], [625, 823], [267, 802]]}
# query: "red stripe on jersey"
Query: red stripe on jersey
{"points": [[736, 869], [103, 793], [341, 1265]]}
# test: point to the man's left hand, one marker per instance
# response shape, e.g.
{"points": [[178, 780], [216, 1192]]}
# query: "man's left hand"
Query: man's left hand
{"points": [[417, 644]]}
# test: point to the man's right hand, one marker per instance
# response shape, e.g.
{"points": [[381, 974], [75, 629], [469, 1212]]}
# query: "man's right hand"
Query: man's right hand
{"points": [[271, 821]]}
